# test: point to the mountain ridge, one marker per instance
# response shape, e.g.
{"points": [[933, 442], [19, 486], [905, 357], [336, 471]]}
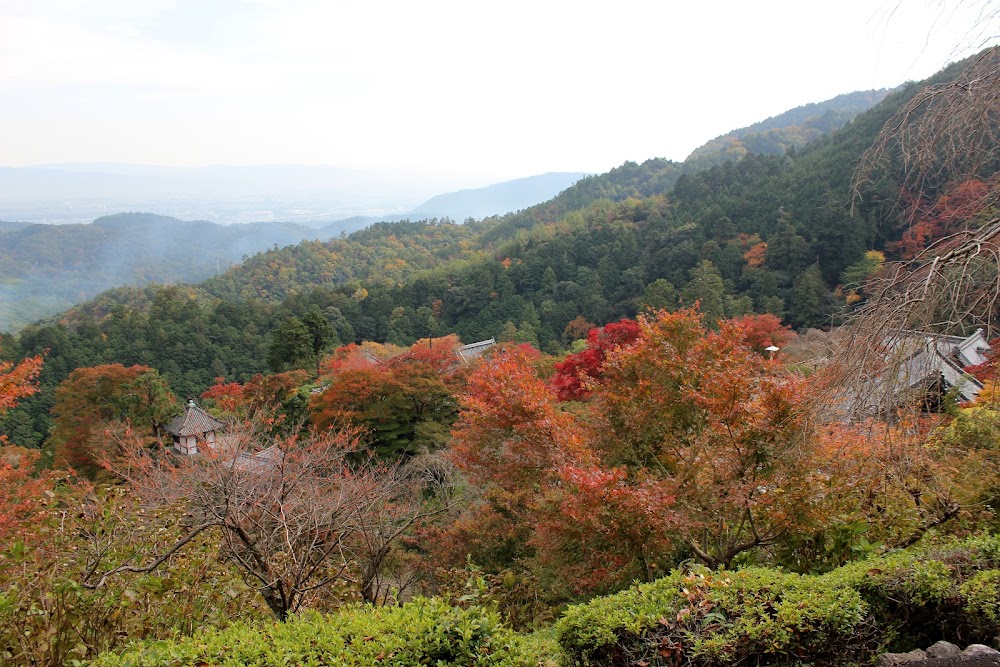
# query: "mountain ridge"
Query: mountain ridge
{"points": [[311, 261], [765, 234], [496, 199]]}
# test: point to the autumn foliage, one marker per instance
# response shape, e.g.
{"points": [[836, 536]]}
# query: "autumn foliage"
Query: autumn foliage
{"points": [[91, 398], [17, 380], [22, 488], [721, 426], [931, 221], [986, 371], [511, 433], [763, 331], [263, 397], [691, 439], [576, 374], [402, 399]]}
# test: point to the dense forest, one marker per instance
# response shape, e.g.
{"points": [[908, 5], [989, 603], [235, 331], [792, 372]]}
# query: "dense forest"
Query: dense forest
{"points": [[634, 468], [765, 234], [44, 269]]}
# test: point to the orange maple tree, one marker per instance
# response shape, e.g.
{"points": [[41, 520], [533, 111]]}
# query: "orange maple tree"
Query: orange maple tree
{"points": [[930, 221], [690, 438], [762, 331], [404, 402], [22, 488], [263, 397], [591, 525], [18, 380], [719, 424]]}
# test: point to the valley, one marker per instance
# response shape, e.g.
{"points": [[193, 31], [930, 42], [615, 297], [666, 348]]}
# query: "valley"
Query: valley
{"points": [[735, 409]]}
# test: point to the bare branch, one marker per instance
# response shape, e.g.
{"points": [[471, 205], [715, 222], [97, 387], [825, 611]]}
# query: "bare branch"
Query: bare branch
{"points": [[155, 564]]}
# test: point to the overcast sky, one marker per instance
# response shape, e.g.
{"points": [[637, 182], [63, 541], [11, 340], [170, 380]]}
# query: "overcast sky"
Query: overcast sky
{"points": [[482, 91]]}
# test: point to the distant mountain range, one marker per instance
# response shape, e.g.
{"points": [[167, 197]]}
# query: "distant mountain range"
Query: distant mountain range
{"points": [[477, 203], [46, 268], [496, 199], [312, 195]]}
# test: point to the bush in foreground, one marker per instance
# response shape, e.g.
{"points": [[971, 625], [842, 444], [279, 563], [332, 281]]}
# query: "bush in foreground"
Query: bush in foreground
{"points": [[753, 616], [423, 632], [762, 616]]}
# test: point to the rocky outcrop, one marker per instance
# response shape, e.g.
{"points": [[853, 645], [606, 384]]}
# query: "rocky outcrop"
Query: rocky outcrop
{"points": [[944, 654]]}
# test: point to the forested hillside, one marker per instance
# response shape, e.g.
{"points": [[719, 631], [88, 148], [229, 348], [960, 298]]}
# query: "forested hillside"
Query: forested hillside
{"points": [[767, 234], [310, 265], [792, 129], [44, 269], [384, 252], [299, 461]]}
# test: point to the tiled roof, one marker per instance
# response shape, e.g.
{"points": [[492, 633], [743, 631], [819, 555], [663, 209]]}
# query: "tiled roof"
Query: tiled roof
{"points": [[266, 459], [194, 421], [475, 350], [916, 361]]}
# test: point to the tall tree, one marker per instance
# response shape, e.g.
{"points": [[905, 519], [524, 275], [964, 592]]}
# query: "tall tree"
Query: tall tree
{"points": [[707, 289], [91, 398], [810, 299], [323, 335], [292, 346], [720, 424]]}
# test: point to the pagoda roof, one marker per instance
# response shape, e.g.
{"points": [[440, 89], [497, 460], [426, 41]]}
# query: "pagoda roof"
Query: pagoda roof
{"points": [[194, 421]]}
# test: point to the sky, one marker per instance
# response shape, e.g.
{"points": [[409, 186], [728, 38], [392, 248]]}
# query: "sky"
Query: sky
{"points": [[471, 90]]}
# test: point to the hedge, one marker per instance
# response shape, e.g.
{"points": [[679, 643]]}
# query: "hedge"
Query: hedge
{"points": [[752, 616], [423, 632], [760, 616]]}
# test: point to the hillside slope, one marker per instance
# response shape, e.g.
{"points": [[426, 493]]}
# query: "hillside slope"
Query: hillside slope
{"points": [[44, 269], [791, 129], [766, 234], [311, 265]]}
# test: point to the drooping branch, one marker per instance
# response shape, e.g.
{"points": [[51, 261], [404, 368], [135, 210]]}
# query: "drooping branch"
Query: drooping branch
{"points": [[941, 149], [944, 135]]}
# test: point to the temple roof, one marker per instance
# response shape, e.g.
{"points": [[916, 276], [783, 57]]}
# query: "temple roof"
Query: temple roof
{"points": [[194, 421], [475, 350]]}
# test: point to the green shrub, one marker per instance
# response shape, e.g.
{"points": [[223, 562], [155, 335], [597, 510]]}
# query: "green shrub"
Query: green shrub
{"points": [[716, 618], [982, 596], [764, 616], [423, 632]]}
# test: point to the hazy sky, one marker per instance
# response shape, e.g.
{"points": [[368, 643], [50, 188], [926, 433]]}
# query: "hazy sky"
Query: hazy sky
{"points": [[480, 90]]}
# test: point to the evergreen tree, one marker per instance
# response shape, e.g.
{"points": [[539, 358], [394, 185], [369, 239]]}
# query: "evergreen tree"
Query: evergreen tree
{"points": [[322, 334], [810, 299], [291, 346], [660, 295], [707, 289]]}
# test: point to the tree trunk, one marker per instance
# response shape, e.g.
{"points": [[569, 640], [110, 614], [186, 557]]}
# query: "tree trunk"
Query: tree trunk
{"points": [[369, 591], [275, 602]]}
